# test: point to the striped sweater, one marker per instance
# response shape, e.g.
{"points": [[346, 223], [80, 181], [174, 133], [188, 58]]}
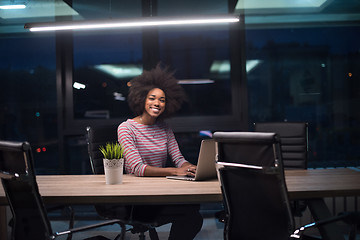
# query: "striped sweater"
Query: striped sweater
{"points": [[147, 145]]}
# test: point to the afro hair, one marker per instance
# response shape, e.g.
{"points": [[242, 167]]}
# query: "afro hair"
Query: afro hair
{"points": [[160, 78]]}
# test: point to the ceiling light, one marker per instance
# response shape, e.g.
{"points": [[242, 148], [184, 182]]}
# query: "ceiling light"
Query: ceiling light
{"points": [[13, 6], [143, 22], [277, 4], [195, 81], [120, 70], [223, 66], [77, 85]]}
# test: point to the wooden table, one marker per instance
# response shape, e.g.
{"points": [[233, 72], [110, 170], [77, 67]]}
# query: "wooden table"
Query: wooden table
{"points": [[313, 185], [320, 183], [90, 189]]}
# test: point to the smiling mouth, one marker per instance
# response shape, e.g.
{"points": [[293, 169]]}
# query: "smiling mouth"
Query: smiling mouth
{"points": [[155, 110]]}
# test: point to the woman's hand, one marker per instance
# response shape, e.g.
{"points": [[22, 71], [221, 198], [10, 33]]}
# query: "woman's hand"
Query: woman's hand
{"points": [[187, 169]]}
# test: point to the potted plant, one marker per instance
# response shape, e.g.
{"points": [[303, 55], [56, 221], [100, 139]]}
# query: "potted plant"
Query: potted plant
{"points": [[113, 162], [112, 151]]}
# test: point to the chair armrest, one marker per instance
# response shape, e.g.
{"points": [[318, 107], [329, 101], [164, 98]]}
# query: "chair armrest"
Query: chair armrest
{"points": [[6, 175]]}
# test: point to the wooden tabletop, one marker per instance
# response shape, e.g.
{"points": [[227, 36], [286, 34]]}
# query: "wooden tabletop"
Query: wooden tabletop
{"points": [[90, 189], [320, 183]]}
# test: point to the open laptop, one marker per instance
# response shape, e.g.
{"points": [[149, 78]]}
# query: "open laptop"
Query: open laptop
{"points": [[206, 163]]}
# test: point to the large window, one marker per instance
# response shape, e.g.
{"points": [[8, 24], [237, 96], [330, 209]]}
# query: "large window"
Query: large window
{"points": [[201, 57], [103, 64], [308, 72], [28, 101], [301, 65]]}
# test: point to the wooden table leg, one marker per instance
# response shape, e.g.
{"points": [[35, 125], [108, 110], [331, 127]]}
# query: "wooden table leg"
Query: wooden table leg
{"points": [[320, 211]]}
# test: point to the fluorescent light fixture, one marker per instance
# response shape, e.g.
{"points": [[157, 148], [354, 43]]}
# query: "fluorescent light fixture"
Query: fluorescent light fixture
{"points": [[277, 4], [220, 66], [143, 22], [266, 7], [223, 66], [120, 70], [195, 81], [252, 64], [14, 6]]}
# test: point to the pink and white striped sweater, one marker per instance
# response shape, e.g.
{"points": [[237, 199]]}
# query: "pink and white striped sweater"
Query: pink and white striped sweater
{"points": [[148, 145]]}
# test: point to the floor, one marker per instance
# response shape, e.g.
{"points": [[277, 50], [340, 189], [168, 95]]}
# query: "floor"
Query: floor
{"points": [[211, 230]]}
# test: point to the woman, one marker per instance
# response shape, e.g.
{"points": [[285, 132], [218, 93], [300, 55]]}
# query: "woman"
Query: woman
{"points": [[149, 143]]}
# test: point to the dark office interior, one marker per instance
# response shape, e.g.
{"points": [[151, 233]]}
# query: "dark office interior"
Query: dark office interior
{"points": [[280, 62], [276, 64]]}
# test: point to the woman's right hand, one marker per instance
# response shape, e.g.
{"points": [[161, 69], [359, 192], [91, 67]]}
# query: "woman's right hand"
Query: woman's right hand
{"points": [[187, 169]]}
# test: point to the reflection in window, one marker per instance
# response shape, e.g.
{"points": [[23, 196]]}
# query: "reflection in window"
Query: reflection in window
{"points": [[103, 64], [312, 75], [28, 104], [200, 57]]}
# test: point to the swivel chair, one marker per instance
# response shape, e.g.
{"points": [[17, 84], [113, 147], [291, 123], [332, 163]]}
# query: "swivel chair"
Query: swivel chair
{"points": [[98, 136], [30, 219], [294, 148], [293, 141], [250, 169]]}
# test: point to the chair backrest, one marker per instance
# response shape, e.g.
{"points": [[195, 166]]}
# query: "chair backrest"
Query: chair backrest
{"points": [[294, 141], [30, 220], [98, 136], [253, 186], [244, 148]]}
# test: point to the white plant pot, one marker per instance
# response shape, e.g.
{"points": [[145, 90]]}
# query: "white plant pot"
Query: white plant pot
{"points": [[113, 170]]}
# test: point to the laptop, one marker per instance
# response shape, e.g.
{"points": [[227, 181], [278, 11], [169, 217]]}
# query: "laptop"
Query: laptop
{"points": [[205, 169]]}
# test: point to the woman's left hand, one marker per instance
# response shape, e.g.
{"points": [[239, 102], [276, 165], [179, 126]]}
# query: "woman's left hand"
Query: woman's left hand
{"points": [[188, 169]]}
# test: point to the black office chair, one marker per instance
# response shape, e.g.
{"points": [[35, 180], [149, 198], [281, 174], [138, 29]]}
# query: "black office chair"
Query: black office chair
{"points": [[100, 135], [258, 174], [293, 141], [30, 219], [294, 148], [250, 169]]}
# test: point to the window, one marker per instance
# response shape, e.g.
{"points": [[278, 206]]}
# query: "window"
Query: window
{"points": [[103, 64], [28, 103], [308, 72], [201, 59]]}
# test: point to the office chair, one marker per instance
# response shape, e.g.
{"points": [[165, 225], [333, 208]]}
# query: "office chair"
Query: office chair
{"points": [[245, 188], [294, 148], [293, 141], [250, 169], [30, 219], [97, 136]]}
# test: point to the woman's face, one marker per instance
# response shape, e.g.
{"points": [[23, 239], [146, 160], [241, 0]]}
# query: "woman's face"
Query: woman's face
{"points": [[155, 102]]}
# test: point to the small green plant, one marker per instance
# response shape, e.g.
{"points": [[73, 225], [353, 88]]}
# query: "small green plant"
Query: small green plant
{"points": [[112, 151]]}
